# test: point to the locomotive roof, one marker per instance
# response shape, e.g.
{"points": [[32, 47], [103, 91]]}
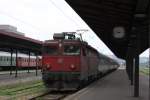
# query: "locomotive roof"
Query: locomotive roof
{"points": [[55, 42], [64, 41]]}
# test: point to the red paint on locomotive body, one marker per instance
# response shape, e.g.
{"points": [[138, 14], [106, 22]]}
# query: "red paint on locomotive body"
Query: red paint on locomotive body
{"points": [[62, 60], [62, 63]]}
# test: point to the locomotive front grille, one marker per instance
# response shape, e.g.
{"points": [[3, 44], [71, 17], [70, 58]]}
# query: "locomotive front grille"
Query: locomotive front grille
{"points": [[64, 76]]}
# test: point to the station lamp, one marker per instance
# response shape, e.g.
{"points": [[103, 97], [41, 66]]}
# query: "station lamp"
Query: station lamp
{"points": [[140, 15]]}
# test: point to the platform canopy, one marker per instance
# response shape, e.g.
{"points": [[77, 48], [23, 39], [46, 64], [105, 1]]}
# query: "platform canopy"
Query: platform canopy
{"points": [[116, 22], [13, 41]]}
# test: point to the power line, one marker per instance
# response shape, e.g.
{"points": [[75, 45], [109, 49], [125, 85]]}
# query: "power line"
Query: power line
{"points": [[28, 24], [52, 2]]}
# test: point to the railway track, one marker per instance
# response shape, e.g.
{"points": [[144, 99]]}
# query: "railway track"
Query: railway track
{"points": [[53, 95]]}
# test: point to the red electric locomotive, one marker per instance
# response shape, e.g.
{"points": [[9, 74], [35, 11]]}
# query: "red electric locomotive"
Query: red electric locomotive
{"points": [[69, 63]]}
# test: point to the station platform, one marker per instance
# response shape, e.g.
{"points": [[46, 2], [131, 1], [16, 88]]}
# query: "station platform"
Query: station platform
{"points": [[114, 86], [7, 79]]}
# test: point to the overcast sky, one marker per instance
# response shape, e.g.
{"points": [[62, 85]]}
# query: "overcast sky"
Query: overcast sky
{"points": [[39, 19]]}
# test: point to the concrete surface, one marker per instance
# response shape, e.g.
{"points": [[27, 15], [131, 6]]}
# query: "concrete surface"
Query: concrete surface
{"points": [[115, 86], [7, 79]]}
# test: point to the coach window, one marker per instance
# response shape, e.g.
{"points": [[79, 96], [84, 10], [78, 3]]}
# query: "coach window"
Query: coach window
{"points": [[50, 50], [71, 50], [103, 62], [7, 59]]}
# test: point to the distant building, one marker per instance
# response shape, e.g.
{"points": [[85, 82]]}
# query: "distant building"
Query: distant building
{"points": [[9, 28]]}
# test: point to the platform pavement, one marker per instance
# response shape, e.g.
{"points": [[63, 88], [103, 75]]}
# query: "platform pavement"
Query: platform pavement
{"points": [[115, 86], [7, 79]]}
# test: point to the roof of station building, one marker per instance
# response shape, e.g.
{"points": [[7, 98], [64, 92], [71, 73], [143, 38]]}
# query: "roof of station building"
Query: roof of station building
{"points": [[105, 17]]}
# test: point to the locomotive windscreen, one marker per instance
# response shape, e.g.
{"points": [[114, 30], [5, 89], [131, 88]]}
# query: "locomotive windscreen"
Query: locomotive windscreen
{"points": [[50, 50], [71, 50]]}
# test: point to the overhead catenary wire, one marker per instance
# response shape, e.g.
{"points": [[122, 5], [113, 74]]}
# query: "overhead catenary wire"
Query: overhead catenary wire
{"points": [[19, 20], [65, 15], [37, 28]]}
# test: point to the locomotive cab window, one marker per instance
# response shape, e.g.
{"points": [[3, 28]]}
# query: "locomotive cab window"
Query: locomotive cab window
{"points": [[71, 50], [50, 50]]}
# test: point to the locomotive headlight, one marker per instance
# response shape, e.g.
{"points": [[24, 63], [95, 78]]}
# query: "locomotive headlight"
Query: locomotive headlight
{"points": [[60, 45], [72, 66], [48, 66]]}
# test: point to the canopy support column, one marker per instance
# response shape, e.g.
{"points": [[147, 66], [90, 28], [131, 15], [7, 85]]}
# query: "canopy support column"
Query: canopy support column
{"points": [[136, 64], [129, 62], [29, 62], [11, 58], [16, 74], [136, 77], [37, 64]]}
